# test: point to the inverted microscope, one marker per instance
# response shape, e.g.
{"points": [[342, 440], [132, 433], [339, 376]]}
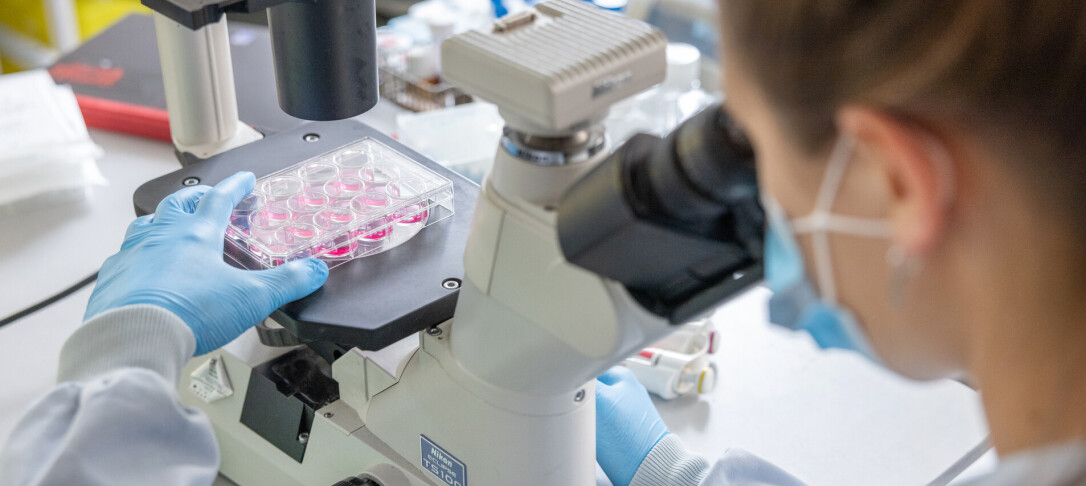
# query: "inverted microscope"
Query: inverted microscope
{"points": [[465, 354]]}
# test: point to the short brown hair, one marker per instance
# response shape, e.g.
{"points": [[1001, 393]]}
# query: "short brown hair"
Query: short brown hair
{"points": [[1014, 68]]}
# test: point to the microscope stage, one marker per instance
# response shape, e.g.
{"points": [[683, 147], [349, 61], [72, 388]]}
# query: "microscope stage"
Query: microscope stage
{"points": [[369, 302]]}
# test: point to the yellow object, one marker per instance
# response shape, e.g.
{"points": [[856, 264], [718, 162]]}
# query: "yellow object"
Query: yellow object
{"points": [[95, 15], [27, 17]]}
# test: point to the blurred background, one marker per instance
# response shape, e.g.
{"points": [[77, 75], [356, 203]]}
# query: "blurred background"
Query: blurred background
{"points": [[105, 50], [35, 33]]}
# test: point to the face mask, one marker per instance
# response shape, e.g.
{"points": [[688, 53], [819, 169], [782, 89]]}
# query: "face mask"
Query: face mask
{"points": [[795, 303]]}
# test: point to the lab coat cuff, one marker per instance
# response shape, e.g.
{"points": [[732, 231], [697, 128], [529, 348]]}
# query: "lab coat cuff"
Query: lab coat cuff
{"points": [[134, 336], [669, 462]]}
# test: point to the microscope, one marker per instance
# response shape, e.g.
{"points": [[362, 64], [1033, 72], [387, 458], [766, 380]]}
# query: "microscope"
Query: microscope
{"points": [[467, 355]]}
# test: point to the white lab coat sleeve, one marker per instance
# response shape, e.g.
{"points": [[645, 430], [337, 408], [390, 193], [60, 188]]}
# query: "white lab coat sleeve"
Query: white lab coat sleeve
{"points": [[115, 418], [670, 463]]}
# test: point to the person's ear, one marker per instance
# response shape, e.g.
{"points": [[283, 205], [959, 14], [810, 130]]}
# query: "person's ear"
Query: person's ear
{"points": [[918, 171]]}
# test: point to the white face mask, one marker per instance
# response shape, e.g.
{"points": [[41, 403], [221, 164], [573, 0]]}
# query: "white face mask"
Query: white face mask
{"points": [[795, 303]]}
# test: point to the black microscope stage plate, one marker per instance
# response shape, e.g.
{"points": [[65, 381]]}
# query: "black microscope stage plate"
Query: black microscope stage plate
{"points": [[369, 302]]}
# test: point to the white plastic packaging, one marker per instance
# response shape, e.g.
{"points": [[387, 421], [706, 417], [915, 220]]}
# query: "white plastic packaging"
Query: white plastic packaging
{"points": [[48, 156], [678, 364]]}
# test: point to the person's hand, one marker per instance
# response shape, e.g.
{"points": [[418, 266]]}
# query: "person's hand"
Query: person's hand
{"points": [[174, 259], [627, 424]]}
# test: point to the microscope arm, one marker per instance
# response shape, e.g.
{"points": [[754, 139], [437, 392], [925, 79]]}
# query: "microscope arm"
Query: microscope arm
{"points": [[529, 320], [509, 384], [599, 257], [200, 96]]}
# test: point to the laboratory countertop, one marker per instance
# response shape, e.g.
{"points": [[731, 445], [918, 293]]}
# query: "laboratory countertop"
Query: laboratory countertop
{"points": [[828, 417]]}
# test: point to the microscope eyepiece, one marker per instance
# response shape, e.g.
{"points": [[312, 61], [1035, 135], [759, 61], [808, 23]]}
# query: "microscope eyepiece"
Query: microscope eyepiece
{"points": [[690, 178], [676, 220]]}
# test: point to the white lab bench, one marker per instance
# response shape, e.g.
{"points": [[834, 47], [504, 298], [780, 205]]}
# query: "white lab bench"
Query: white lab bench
{"points": [[829, 418]]}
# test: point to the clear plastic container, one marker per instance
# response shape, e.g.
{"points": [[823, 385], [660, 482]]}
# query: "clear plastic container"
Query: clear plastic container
{"points": [[355, 201], [417, 94], [463, 138]]}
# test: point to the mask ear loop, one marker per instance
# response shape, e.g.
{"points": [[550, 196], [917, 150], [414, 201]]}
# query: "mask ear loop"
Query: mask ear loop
{"points": [[819, 221]]}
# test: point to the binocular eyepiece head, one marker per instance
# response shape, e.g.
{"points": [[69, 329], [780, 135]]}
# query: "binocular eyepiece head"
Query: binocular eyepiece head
{"points": [[676, 220]]}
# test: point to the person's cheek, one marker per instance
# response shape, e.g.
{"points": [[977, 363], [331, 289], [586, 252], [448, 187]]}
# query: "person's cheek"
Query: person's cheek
{"points": [[771, 176]]}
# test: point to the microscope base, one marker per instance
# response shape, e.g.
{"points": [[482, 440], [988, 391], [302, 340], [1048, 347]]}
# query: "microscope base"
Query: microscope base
{"points": [[434, 426], [338, 447]]}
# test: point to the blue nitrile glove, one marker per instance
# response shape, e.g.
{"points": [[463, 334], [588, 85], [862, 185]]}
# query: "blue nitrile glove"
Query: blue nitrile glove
{"points": [[627, 424], [174, 259]]}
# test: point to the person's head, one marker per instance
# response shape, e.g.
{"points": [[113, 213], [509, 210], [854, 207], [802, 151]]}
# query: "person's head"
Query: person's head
{"points": [[969, 122]]}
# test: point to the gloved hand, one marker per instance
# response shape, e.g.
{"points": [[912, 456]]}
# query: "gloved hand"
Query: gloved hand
{"points": [[627, 424], [174, 259]]}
